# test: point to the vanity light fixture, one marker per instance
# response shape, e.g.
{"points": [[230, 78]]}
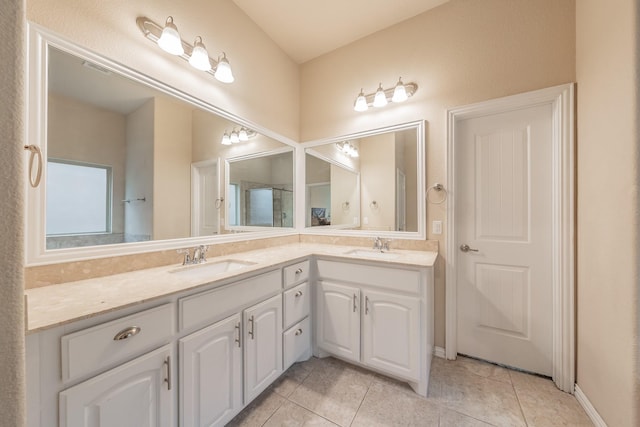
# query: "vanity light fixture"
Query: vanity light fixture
{"points": [[381, 97], [169, 40], [236, 136], [348, 148]]}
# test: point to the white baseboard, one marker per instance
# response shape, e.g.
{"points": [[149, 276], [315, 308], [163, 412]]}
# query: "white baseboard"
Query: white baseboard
{"points": [[583, 400], [439, 352]]}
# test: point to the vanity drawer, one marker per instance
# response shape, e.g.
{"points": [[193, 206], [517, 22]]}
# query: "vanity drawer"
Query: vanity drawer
{"points": [[207, 307], [91, 349], [296, 304], [396, 279], [296, 273], [297, 341]]}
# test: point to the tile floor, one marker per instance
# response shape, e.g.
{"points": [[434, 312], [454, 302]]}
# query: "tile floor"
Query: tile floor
{"points": [[462, 393]]}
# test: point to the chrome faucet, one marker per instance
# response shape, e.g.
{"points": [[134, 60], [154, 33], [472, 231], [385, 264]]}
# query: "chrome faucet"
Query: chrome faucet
{"points": [[199, 255], [381, 244]]}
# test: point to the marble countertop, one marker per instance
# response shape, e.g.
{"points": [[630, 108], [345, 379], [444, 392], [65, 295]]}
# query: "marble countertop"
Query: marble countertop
{"points": [[54, 305]]}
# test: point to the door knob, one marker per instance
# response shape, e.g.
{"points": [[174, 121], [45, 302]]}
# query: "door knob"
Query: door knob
{"points": [[466, 248]]}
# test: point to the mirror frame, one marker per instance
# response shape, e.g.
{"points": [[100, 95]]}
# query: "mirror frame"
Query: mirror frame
{"points": [[227, 179], [420, 234], [39, 41]]}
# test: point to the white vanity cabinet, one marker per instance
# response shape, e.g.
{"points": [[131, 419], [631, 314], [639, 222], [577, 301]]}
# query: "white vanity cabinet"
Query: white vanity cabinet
{"points": [[228, 363], [139, 393], [211, 374], [263, 346], [379, 317], [297, 308]]}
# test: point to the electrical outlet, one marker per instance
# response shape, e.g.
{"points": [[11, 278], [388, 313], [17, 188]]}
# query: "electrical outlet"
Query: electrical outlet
{"points": [[436, 227], [365, 220]]}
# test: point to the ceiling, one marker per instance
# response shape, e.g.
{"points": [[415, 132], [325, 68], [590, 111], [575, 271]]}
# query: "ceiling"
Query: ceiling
{"points": [[306, 29]]}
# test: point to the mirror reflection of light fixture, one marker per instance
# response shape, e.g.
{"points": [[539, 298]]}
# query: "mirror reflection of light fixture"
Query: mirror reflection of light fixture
{"points": [[381, 97], [236, 136], [169, 40], [348, 148]]}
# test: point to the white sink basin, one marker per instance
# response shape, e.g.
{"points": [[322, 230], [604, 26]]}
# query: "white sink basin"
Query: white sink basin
{"points": [[371, 253], [211, 268]]}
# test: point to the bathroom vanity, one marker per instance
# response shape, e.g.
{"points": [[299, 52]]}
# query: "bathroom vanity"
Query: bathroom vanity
{"points": [[172, 346]]}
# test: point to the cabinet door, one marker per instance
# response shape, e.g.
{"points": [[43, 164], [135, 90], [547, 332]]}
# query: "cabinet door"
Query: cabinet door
{"points": [[338, 320], [139, 393], [211, 374], [263, 346], [391, 333]]}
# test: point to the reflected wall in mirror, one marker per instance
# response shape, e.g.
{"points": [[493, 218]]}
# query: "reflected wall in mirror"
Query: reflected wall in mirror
{"points": [[387, 195], [332, 189], [260, 191], [127, 162]]}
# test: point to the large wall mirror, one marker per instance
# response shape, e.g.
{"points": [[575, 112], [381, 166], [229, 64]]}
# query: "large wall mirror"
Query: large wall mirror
{"points": [[367, 183], [128, 161]]}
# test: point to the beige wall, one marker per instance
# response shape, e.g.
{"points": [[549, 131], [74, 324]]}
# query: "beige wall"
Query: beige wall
{"points": [[109, 28], [459, 53], [377, 184], [607, 75], [171, 170]]}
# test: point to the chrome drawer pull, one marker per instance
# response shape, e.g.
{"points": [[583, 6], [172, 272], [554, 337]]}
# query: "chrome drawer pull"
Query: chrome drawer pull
{"points": [[127, 333], [298, 294], [299, 332], [238, 338], [299, 271], [251, 330], [167, 363]]}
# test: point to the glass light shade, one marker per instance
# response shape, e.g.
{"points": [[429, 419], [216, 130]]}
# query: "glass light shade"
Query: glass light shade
{"points": [[169, 40], [234, 137], [223, 70], [199, 58], [242, 135], [225, 139], [355, 152], [400, 92], [380, 100], [361, 102]]}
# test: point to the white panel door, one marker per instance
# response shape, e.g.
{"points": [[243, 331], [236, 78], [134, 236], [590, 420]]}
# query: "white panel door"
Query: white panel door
{"points": [[139, 393], [504, 238], [211, 374], [338, 323], [205, 201], [263, 346], [391, 333]]}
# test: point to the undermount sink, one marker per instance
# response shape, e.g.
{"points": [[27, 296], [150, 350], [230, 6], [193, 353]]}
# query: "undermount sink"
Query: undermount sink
{"points": [[211, 268], [371, 253]]}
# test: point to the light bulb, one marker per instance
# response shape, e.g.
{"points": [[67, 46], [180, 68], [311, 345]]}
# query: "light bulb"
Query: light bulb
{"points": [[380, 100], [400, 92], [199, 56], [361, 102], [234, 137], [225, 139], [223, 70], [170, 40], [242, 135]]}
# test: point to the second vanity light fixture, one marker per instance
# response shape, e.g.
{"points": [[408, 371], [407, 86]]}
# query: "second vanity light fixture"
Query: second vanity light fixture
{"points": [[381, 97], [348, 148], [235, 136], [169, 40]]}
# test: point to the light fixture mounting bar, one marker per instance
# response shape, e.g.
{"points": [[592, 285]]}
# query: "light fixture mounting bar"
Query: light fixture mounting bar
{"points": [[153, 31], [410, 87]]}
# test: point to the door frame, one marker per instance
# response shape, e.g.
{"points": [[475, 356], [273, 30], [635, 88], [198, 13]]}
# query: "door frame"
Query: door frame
{"points": [[561, 99]]}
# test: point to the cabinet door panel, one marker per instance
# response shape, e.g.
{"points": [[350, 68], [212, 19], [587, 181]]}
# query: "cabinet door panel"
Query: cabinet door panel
{"points": [[211, 374], [391, 333], [135, 394], [338, 322], [263, 345]]}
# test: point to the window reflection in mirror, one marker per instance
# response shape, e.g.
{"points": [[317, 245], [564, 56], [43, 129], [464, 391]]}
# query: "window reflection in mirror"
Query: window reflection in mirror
{"points": [[383, 199], [261, 191], [129, 163]]}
